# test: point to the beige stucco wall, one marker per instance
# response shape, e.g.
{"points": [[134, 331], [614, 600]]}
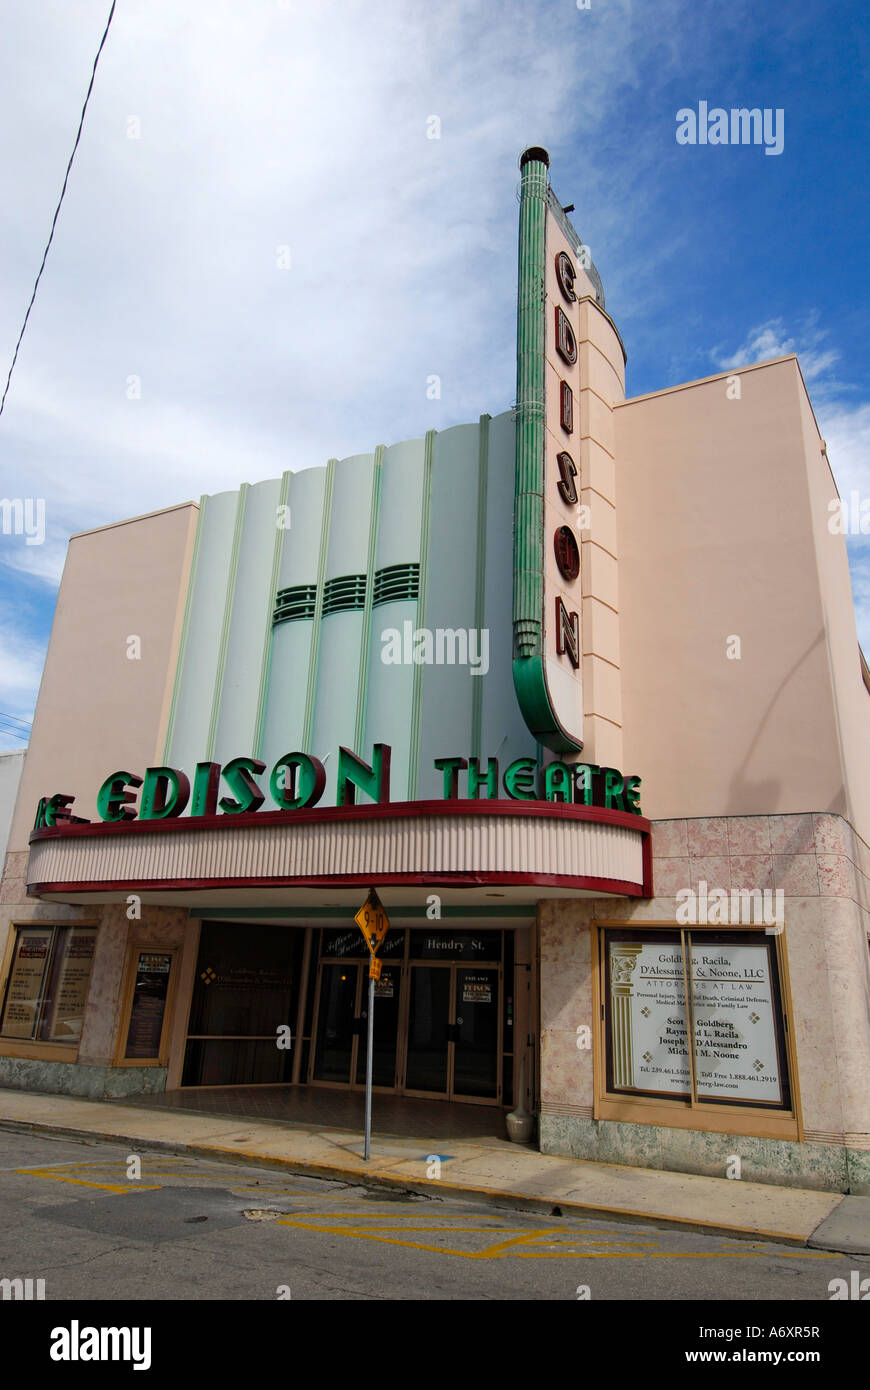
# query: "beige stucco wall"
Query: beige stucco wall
{"points": [[99, 711], [11, 768], [718, 538]]}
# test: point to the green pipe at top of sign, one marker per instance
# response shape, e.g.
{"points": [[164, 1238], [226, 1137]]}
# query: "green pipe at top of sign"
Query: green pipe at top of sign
{"points": [[529, 669]]}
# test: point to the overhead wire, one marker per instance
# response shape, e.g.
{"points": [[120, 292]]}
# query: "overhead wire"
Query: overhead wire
{"points": [[57, 209], [12, 732], [14, 718]]}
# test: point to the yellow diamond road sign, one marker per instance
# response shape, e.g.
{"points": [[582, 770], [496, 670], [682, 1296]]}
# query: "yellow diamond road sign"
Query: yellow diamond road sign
{"points": [[373, 922]]}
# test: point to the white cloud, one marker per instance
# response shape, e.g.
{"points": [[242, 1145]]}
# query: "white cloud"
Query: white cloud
{"points": [[846, 431], [263, 126], [770, 339]]}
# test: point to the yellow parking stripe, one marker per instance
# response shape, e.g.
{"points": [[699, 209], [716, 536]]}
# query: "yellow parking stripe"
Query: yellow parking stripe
{"points": [[132, 1185], [511, 1248]]}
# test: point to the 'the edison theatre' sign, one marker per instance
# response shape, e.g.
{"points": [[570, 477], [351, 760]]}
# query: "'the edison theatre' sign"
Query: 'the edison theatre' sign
{"points": [[297, 781], [547, 589]]}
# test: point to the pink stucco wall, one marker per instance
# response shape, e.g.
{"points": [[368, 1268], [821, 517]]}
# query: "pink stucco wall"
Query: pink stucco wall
{"points": [[720, 502], [98, 709]]}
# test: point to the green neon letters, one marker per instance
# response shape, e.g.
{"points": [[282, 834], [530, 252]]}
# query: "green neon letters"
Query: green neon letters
{"points": [[298, 779]]}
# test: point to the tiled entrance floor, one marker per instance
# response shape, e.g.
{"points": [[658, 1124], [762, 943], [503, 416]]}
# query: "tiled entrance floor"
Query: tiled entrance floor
{"points": [[315, 1105]]}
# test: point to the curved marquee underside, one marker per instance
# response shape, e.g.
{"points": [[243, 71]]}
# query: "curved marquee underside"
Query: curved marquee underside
{"points": [[464, 844]]}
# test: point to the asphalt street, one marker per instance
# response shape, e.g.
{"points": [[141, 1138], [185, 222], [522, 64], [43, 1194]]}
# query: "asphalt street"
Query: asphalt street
{"points": [[73, 1213]]}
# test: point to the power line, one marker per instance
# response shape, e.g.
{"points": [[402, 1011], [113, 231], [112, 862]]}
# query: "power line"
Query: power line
{"points": [[57, 209], [14, 718], [14, 733]]}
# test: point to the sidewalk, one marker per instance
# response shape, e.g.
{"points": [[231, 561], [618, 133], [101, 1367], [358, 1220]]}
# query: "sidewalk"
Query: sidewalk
{"points": [[486, 1169]]}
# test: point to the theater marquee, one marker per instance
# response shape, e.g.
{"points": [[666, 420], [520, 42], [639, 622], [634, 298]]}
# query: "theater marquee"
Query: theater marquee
{"points": [[572, 829]]}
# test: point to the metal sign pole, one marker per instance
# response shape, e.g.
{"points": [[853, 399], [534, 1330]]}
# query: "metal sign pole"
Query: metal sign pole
{"points": [[371, 1032]]}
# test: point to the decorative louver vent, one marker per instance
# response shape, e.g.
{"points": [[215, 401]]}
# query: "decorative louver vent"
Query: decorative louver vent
{"points": [[295, 603], [397, 582], [344, 594]]}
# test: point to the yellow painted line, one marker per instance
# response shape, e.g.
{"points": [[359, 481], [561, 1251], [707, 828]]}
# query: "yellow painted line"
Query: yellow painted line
{"points": [[658, 1255], [133, 1185], [72, 1167], [581, 1209], [749, 1252], [510, 1245], [289, 1220], [379, 1216], [119, 1167], [386, 1240], [219, 1177], [509, 1248], [567, 1239], [62, 1173]]}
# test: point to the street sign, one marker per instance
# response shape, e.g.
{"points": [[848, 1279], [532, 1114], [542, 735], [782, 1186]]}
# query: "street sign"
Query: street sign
{"points": [[372, 921]]}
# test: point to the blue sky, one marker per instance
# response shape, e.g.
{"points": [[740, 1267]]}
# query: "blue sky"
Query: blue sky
{"points": [[283, 125]]}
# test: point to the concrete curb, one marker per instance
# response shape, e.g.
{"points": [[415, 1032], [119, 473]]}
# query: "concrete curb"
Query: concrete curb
{"points": [[375, 1178]]}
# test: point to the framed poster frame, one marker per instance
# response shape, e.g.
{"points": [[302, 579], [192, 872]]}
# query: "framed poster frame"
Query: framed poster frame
{"points": [[689, 1111], [131, 969], [38, 1049]]}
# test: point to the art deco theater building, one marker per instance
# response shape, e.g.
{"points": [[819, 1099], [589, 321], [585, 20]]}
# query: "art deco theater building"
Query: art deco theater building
{"points": [[576, 689]]}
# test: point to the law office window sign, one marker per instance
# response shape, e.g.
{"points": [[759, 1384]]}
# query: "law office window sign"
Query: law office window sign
{"points": [[695, 1017], [47, 986]]}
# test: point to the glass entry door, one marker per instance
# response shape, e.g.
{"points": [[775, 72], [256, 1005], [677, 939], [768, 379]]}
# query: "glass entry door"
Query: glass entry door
{"points": [[429, 1018], [386, 1030], [453, 1040], [342, 1025], [337, 1023], [476, 1046], [437, 1024]]}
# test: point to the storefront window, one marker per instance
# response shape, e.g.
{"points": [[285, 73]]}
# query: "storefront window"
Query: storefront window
{"points": [[695, 1016], [246, 989], [47, 987]]}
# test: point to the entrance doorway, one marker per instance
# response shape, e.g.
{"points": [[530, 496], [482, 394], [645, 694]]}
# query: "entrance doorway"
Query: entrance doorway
{"points": [[289, 1005], [439, 1024], [340, 1049], [453, 1032]]}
